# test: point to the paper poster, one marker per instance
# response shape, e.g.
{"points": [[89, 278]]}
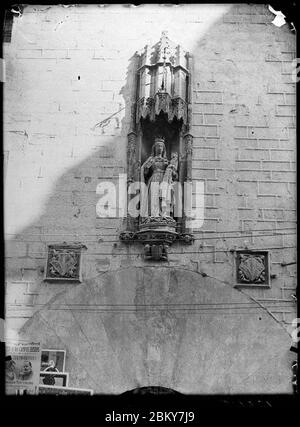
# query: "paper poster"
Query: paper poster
{"points": [[63, 391], [22, 367]]}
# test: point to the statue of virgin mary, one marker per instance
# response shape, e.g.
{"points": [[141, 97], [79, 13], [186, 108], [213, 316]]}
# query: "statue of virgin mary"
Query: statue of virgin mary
{"points": [[153, 173]]}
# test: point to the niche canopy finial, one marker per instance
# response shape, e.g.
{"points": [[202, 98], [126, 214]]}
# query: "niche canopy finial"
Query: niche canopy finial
{"points": [[164, 40], [164, 48]]}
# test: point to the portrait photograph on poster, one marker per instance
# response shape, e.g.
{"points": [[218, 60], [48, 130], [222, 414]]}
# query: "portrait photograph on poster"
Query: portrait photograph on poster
{"points": [[54, 378], [53, 360], [22, 363]]}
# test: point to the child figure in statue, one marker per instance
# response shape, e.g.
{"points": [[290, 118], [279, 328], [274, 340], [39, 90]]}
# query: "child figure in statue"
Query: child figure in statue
{"points": [[168, 186], [171, 171]]}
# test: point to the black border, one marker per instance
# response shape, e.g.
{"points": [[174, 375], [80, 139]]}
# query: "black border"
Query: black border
{"points": [[106, 403]]}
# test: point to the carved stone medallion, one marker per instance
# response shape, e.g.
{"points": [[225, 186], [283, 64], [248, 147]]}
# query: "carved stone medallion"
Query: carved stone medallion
{"points": [[252, 268], [64, 263]]}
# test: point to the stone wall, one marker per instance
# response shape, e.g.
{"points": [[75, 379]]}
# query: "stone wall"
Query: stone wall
{"points": [[67, 99]]}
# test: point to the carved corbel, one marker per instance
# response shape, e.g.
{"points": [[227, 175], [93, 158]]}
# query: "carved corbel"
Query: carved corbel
{"points": [[186, 238]]}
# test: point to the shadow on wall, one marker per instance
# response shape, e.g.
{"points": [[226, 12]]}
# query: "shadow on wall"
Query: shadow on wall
{"points": [[221, 65], [70, 212]]}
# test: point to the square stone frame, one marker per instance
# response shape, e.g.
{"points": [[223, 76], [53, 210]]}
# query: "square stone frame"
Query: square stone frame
{"points": [[266, 253], [71, 247]]}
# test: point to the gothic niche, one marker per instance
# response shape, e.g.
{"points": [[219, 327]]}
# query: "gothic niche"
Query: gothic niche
{"points": [[159, 154]]}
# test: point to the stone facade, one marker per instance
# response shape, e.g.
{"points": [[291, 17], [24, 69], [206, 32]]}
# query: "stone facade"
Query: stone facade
{"points": [[67, 112]]}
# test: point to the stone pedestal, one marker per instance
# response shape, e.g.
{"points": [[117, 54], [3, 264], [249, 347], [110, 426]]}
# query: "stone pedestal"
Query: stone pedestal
{"points": [[157, 234]]}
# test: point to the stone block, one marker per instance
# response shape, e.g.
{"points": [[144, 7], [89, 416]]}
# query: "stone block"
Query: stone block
{"points": [[210, 97], [278, 188], [15, 249], [16, 293]]}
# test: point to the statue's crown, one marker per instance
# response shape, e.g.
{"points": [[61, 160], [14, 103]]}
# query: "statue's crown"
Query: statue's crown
{"points": [[159, 139]]}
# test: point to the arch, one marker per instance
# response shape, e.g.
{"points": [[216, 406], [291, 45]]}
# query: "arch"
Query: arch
{"points": [[171, 327], [151, 391]]}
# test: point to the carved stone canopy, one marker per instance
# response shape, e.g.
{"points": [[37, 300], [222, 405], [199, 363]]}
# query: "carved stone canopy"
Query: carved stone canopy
{"points": [[162, 102], [163, 81]]}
